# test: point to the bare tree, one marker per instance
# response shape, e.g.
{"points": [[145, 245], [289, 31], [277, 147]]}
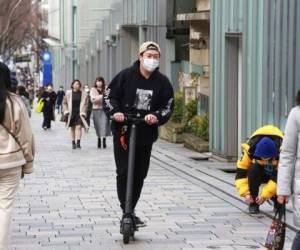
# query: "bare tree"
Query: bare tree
{"points": [[20, 24]]}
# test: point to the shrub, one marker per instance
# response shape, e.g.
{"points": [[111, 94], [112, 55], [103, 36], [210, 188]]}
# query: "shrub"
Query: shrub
{"points": [[200, 126], [190, 110], [178, 107]]}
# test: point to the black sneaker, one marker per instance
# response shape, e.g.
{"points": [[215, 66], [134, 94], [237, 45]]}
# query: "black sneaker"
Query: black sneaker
{"points": [[139, 222], [253, 208]]}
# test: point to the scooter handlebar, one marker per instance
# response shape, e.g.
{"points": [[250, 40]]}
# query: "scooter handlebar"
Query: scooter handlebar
{"points": [[130, 118]]}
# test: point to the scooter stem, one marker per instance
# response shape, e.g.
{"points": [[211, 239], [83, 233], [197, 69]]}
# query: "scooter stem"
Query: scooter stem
{"points": [[130, 171]]}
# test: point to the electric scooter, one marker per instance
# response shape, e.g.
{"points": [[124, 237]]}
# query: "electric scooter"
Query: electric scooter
{"points": [[128, 225]]}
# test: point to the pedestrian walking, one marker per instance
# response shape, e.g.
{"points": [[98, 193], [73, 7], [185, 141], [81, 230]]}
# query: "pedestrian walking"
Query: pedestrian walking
{"points": [[147, 93], [16, 151], [90, 105], [21, 91], [30, 91], [101, 122], [259, 165], [49, 98], [59, 99], [289, 167], [75, 108]]}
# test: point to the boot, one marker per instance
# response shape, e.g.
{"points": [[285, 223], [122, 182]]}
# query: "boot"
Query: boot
{"points": [[104, 142], [73, 145], [78, 144], [99, 142], [253, 208]]}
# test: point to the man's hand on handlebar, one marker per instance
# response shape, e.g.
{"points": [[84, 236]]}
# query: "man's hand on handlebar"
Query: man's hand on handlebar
{"points": [[150, 119], [119, 117]]}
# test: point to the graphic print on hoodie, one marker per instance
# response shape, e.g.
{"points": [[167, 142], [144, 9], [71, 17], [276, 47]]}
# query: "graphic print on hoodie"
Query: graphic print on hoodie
{"points": [[143, 99]]}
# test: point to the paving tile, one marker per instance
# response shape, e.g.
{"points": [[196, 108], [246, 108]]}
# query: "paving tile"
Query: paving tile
{"points": [[70, 203]]}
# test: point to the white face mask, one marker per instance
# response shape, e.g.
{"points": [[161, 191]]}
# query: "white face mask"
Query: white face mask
{"points": [[150, 64]]}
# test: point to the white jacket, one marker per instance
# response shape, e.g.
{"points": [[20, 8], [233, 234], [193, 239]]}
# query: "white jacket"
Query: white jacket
{"points": [[288, 182], [96, 99]]}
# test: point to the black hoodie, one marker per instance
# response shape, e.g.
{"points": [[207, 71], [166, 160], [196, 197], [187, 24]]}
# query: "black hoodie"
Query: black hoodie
{"points": [[131, 92]]}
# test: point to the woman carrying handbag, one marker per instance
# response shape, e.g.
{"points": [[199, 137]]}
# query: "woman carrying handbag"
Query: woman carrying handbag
{"points": [[288, 182]]}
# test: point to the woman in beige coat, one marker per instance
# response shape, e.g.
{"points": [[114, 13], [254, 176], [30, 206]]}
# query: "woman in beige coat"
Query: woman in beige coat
{"points": [[16, 150], [75, 106]]}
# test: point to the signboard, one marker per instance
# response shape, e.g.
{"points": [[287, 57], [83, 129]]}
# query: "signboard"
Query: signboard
{"points": [[22, 58], [47, 68], [47, 74]]}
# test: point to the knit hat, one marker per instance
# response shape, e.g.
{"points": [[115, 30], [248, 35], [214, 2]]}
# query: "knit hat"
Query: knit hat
{"points": [[149, 46], [266, 148]]}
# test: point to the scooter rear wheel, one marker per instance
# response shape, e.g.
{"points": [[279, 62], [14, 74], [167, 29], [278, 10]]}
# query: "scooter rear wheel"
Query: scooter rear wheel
{"points": [[126, 233]]}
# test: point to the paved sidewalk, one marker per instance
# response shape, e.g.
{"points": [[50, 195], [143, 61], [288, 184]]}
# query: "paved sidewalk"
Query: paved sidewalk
{"points": [[70, 202]]}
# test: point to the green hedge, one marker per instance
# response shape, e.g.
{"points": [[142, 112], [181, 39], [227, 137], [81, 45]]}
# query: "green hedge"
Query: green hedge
{"points": [[187, 115], [178, 107], [200, 126], [189, 111]]}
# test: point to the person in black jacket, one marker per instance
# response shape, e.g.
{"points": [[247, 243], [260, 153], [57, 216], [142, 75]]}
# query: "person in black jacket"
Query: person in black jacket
{"points": [[49, 98], [59, 99], [143, 90]]}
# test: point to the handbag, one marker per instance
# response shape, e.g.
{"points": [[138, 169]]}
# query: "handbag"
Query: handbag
{"points": [[39, 107], [64, 118], [276, 235]]}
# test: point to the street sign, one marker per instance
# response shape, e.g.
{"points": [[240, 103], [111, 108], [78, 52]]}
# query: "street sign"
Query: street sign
{"points": [[47, 68]]}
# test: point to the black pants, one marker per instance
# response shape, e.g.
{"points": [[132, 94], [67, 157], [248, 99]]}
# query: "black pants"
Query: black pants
{"points": [[256, 177], [88, 117], [142, 161], [48, 116]]}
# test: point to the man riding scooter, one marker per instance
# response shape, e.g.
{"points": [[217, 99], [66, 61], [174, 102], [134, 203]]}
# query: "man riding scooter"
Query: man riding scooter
{"points": [[258, 165], [149, 94]]}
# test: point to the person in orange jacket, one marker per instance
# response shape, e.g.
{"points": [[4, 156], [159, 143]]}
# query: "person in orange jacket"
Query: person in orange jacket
{"points": [[258, 165]]}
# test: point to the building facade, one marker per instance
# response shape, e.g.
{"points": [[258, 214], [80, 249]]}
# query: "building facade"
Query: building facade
{"points": [[92, 38], [194, 74], [254, 61], [61, 41]]}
